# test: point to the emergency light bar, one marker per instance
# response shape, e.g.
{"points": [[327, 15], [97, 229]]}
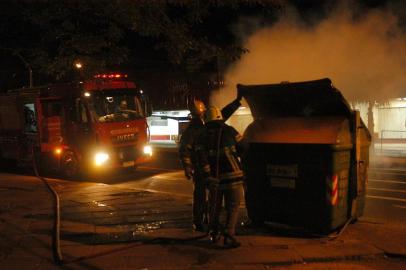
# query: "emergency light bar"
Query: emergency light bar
{"points": [[110, 76]]}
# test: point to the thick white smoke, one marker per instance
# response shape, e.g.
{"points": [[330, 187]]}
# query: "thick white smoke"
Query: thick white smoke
{"points": [[365, 58]]}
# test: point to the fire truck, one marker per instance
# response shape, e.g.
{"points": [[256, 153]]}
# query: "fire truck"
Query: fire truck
{"points": [[89, 126]]}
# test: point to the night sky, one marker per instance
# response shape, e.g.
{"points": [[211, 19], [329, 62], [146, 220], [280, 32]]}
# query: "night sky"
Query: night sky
{"points": [[193, 48]]}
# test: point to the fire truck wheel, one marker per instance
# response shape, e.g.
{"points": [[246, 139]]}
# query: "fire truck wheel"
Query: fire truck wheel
{"points": [[130, 170], [69, 165], [40, 163], [7, 164]]}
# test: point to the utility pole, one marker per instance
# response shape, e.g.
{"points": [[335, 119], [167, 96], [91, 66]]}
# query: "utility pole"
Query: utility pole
{"points": [[27, 65], [371, 125]]}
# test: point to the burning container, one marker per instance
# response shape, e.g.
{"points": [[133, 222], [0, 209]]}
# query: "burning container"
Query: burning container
{"points": [[308, 154]]}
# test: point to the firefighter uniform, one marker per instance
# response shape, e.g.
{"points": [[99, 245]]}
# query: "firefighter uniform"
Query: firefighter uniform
{"points": [[218, 149], [188, 158]]}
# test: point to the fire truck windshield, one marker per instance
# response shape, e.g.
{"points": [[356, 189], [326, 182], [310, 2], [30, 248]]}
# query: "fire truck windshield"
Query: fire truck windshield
{"points": [[116, 105]]}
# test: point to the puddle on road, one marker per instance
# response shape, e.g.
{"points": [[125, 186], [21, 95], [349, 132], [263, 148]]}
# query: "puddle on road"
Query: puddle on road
{"points": [[147, 227], [119, 234], [133, 232], [132, 193], [99, 203]]}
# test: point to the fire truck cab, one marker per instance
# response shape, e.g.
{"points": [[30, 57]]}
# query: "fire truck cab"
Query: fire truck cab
{"points": [[95, 125]]}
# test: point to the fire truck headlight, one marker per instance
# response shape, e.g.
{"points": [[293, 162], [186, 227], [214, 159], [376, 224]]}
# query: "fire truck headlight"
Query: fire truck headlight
{"points": [[100, 158], [148, 150]]}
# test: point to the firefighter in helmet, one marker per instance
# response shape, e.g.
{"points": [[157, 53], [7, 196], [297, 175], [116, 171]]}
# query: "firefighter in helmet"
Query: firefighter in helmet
{"points": [[189, 161], [218, 151]]}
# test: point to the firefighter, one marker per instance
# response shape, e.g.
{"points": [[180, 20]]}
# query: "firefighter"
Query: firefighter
{"points": [[188, 158], [123, 106], [218, 149]]}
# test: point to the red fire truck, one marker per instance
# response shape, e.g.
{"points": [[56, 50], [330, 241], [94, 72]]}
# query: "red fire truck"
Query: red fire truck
{"points": [[77, 127]]}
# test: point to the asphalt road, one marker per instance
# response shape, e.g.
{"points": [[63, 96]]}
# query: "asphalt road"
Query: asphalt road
{"points": [[385, 200], [123, 210], [386, 195]]}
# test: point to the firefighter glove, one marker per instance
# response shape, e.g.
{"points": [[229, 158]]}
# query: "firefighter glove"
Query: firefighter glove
{"points": [[189, 172]]}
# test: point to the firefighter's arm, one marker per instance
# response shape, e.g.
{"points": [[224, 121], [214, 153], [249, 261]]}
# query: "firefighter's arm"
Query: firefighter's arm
{"points": [[185, 154], [187, 167], [229, 109], [202, 156]]}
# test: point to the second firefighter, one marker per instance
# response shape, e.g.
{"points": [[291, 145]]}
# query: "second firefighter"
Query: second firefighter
{"points": [[218, 150]]}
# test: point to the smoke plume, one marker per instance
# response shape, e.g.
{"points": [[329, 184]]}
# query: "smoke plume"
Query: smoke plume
{"points": [[364, 57]]}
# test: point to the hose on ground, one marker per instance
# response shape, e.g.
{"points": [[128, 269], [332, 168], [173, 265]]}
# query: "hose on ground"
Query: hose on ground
{"points": [[56, 247]]}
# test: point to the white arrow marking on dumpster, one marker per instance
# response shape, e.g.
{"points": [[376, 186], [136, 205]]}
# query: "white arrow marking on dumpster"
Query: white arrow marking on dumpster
{"points": [[387, 198]]}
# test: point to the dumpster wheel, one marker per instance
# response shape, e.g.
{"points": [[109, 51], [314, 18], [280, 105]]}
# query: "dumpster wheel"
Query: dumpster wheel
{"points": [[335, 234]]}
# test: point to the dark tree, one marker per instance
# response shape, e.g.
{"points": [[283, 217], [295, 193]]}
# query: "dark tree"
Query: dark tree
{"points": [[52, 35]]}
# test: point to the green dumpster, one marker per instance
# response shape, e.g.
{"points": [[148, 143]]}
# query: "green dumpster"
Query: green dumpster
{"points": [[307, 156]]}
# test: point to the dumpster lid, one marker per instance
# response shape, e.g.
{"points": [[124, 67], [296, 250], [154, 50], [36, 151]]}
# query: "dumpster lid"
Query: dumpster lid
{"points": [[309, 98]]}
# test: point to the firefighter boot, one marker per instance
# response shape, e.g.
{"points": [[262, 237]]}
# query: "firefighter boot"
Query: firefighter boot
{"points": [[230, 241]]}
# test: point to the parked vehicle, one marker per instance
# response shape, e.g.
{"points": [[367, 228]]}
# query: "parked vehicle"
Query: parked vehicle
{"points": [[99, 124]]}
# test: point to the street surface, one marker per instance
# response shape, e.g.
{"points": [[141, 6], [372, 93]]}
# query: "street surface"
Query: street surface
{"points": [[385, 200], [386, 195], [141, 220]]}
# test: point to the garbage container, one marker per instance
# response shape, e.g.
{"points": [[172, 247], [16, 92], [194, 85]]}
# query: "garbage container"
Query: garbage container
{"points": [[307, 156]]}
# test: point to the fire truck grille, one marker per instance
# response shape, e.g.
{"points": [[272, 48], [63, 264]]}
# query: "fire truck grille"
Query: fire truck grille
{"points": [[127, 153]]}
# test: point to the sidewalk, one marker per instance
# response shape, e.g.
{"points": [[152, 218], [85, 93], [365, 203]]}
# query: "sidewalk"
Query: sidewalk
{"points": [[105, 227]]}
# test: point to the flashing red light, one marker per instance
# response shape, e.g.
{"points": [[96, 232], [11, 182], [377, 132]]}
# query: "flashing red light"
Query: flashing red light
{"points": [[110, 76]]}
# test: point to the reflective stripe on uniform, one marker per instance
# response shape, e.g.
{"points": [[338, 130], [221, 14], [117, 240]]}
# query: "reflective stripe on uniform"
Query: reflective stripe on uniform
{"points": [[227, 149], [230, 184], [230, 175], [232, 161], [188, 146], [187, 160]]}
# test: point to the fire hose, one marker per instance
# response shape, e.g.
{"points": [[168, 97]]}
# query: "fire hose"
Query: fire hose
{"points": [[56, 246]]}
